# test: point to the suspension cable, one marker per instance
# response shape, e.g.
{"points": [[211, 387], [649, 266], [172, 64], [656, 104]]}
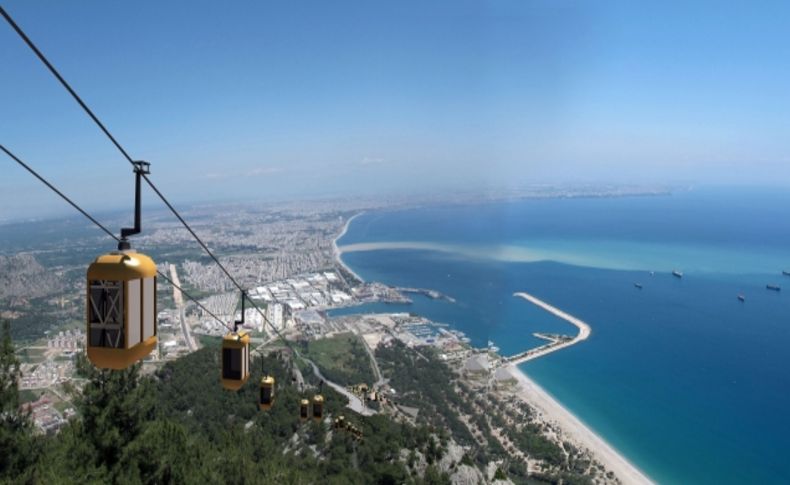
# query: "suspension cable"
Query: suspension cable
{"points": [[202, 307], [61, 194], [217, 261], [103, 228], [66, 85], [115, 142]]}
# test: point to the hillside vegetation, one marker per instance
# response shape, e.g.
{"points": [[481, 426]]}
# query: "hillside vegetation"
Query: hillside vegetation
{"points": [[179, 426]]}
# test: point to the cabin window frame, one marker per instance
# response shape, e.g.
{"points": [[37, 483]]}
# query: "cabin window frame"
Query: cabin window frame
{"points": [[113, 300], [228, 362]]}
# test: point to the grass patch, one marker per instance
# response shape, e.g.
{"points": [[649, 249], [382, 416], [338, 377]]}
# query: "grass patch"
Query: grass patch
{"points": [[62, 406], [342, 359], [208, 341], [29, 395], [31, 356]]}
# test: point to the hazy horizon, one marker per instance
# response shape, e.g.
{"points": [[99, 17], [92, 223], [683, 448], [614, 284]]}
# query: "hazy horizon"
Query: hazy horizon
{"points": [[253, 101]]}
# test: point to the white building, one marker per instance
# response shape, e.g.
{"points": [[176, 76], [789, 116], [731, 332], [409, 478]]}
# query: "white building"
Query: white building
{"points": [[275, 315], [252, 319]]}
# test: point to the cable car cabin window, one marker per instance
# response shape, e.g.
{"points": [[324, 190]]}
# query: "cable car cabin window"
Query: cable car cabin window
{"points": [[133, 312], [318, 410], [105, 313], [231, 363], [266, 395], [149, 307]]}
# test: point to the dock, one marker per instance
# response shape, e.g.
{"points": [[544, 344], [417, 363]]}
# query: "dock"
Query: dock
{"points": [[557, 344], [432, 294]]}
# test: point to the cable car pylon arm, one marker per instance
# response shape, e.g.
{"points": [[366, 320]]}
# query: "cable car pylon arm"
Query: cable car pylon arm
{"points": [[236, 323]]}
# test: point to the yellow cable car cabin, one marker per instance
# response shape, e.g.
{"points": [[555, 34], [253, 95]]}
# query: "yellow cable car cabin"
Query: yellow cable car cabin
{"points": [[318, 407], [266, 393], [340, 422], [121, 309], [304, 409], [235, 360]]}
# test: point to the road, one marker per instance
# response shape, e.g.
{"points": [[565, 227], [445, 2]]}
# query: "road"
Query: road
{"points": [[354, 403], [380, 381], [178, 298]]}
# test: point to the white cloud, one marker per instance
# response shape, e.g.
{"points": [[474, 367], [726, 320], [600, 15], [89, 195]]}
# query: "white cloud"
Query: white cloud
{"points": [[254, 172], [259, 171], [372, 161]]}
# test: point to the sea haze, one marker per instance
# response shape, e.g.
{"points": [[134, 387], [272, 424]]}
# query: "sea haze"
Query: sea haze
{"points": [[689, 383]]}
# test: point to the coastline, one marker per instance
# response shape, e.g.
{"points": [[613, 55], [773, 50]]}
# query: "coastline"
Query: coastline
{"points": [[573, 429], [338, 253], [550, 410]]}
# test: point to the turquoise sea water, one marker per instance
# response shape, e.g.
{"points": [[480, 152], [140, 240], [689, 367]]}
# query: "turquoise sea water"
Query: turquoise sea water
{"points": [[687, 382]]}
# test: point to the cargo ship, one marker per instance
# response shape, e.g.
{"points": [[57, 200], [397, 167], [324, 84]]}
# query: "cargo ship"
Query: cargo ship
{"points": [[773, 287], [677, 274]]}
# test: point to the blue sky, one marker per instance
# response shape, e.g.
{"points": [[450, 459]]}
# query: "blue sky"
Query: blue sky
{"points": [[263, 100]]}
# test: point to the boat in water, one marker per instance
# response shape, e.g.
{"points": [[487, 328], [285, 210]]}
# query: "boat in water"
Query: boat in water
{"points": [[638, 286], [773, 287], [677, 274], [741, 298], [785, 272]]}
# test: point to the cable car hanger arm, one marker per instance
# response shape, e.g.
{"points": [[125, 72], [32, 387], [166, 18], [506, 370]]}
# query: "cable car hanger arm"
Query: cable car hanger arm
{"points": [[140, 168]]}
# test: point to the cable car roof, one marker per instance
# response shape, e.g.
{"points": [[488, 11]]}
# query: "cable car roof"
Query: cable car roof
{"points": [[122, 266]]}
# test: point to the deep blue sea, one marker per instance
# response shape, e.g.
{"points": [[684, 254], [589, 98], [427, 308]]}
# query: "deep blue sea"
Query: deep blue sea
{"points": [[690, 384]]}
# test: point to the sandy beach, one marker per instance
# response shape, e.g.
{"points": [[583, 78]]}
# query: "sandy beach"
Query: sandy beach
{"points": [[576, 431], [336, 250], [552, 411]]}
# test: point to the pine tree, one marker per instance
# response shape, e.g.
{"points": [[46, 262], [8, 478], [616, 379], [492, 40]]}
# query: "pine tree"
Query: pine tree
{"points": [[17, 444], [114, 406]]}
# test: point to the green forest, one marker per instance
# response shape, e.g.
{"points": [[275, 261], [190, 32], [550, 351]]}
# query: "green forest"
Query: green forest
{"points": [[180, 426]]}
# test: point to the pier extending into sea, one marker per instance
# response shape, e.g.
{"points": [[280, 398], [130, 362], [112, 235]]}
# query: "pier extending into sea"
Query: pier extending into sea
{"points": [[584, 333]]}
